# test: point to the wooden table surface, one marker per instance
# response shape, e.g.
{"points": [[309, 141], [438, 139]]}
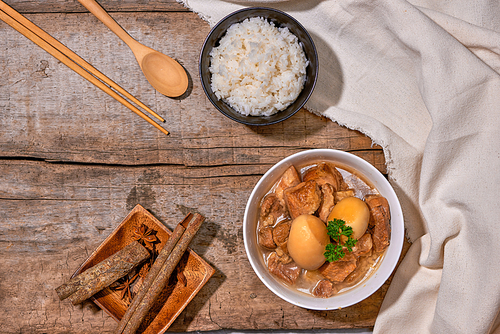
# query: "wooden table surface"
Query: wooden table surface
{"points": [[74, 162]]}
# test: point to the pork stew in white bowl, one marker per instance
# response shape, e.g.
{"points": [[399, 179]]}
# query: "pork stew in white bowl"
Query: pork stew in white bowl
{"points": [[323, 229]]}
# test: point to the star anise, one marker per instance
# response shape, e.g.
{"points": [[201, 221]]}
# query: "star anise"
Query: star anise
{"points": [[145, 269], [145, 235], [125, 287]]}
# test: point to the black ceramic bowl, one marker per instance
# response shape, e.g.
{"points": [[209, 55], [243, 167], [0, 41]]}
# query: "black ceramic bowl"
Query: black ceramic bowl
{"points": [[279, 19]]}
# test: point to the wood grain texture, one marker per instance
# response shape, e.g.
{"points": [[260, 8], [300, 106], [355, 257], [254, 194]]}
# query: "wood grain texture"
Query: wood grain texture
{"points": [[74, 162], [69, 6]]}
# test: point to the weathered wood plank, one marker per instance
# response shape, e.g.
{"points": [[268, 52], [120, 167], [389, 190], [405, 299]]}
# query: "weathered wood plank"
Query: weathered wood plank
{"points": [[54, 215], [49, 108], [52, 113]]}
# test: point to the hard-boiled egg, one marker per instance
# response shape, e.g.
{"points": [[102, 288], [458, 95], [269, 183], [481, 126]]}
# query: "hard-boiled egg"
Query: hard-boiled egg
{"points": [[307, 241], [354, 212]]}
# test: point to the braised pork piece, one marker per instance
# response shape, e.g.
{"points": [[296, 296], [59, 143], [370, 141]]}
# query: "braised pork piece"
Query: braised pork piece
{"points": [[288, 231]]}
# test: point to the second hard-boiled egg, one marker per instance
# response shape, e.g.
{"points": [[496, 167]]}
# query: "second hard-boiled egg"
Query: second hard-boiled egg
{"points": [[354, 212]]}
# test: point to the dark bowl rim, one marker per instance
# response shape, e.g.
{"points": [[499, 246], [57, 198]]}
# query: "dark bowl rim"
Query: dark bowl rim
{"points": [[315, 55]]}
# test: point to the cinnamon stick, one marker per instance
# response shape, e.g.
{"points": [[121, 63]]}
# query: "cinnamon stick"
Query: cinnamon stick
{"points": [[163, 276], [104, 273], [154, 270]]}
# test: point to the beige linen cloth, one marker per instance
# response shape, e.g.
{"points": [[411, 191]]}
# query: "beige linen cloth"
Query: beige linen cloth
{"points": [[420, 78]]}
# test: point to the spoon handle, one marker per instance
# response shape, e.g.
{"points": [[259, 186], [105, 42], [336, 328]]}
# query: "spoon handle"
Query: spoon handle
{"points": [[99, 12]]}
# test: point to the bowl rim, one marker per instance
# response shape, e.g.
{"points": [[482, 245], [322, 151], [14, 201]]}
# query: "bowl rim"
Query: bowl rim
{"points": [[389, 260], [315, 77]]}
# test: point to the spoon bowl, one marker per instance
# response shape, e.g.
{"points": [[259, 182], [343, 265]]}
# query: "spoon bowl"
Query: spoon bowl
{"points": [[163, 73], [156, 67]]}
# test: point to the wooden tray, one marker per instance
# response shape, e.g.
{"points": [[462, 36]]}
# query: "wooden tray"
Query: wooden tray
{"points": [[176, 295]]}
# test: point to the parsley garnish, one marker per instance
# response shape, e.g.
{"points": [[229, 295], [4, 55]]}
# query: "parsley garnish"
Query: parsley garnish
{"points": [[336, 229]]}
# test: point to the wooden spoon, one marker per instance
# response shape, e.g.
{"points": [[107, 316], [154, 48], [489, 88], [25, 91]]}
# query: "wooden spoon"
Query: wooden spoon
{"points": [[163, 73]]}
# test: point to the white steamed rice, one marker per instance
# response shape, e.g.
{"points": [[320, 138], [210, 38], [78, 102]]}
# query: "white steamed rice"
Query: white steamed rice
{"points": [[258, 69]]}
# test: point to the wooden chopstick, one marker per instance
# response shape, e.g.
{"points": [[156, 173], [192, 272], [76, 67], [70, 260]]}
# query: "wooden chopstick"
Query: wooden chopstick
{"points": [[14, 19]]}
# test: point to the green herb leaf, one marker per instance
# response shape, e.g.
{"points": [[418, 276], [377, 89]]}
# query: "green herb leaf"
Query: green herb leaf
{"points": [[335, 230], [350, 243], [333, 252]]}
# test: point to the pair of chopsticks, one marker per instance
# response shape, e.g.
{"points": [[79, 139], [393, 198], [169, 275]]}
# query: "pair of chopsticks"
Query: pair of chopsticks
{"points": [[74, 62]]}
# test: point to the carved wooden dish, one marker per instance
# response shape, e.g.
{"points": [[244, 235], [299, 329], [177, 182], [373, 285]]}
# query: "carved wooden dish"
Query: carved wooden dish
{"points": [[190, 275]]}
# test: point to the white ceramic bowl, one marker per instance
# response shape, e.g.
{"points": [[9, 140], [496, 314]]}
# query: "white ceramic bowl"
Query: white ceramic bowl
{"points": [[369, 286]]}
